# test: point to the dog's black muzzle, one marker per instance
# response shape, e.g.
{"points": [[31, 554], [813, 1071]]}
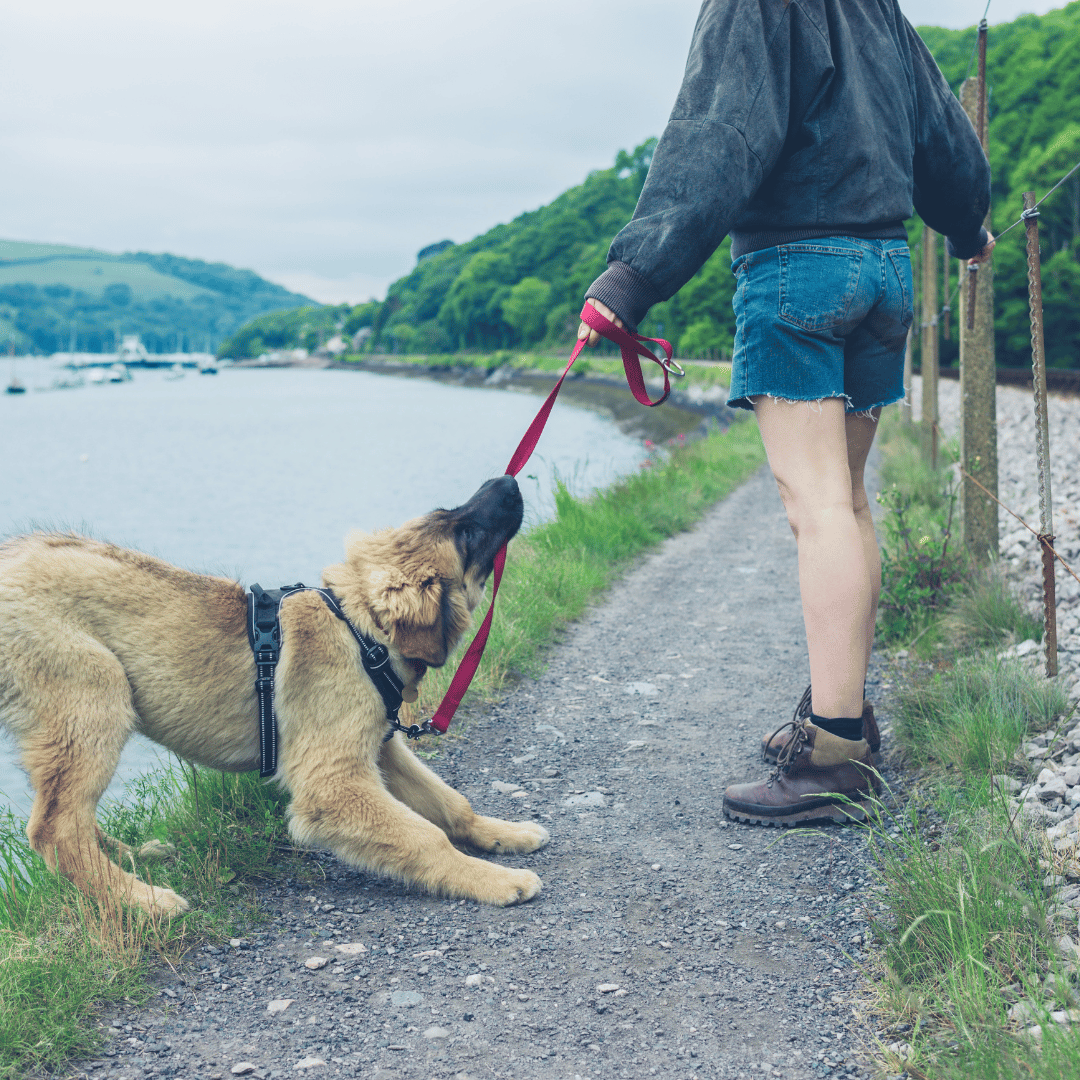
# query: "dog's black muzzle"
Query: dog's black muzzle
{"points": [[487, 521]]}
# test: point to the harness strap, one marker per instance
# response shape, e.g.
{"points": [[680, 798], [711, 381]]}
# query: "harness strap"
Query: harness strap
{"points": [[264, 635], [631, 347]]}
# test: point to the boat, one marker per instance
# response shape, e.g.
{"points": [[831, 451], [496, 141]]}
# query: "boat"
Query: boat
{"points": [[132, 351], [14, 387], [118, 373], [96, 375], [208, 367], [175, 372]]}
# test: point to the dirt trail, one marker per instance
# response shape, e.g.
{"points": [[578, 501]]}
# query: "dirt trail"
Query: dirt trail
{"points": [[666, 942]]}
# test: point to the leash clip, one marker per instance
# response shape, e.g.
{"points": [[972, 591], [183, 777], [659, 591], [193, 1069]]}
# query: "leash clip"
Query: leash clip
{"points": [[673, 367]]}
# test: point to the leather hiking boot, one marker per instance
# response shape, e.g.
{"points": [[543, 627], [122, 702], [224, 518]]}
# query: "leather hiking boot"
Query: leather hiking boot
{"points": [[818, 776], [770, 744]]}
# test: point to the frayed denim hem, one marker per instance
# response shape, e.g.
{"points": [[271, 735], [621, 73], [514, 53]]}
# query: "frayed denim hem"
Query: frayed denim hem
{"points": [[867, 411]]}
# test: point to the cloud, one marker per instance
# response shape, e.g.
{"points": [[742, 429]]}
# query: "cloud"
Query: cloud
{"points": [[325, 141]]}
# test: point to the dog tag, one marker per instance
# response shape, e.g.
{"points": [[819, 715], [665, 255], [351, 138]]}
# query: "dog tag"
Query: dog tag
{"points": [[410, 694]]}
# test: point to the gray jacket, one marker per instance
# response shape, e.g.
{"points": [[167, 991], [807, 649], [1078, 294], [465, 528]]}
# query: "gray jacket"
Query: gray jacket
{"points": [[796, 120]]}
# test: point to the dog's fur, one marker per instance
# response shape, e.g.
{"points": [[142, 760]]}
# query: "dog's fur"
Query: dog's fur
{"points": [[97, 642]]}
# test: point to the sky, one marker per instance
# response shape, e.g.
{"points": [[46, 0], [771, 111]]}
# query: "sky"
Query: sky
{"points": [[323, 143]]}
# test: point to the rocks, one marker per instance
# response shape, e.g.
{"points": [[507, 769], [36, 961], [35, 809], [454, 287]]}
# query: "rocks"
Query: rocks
{"points": [[436, 1033], [309, 1063], [351, 948], [279, 1005], [242, 1068], [504, 788], [315, 963], [585, 798], [406, 999]]}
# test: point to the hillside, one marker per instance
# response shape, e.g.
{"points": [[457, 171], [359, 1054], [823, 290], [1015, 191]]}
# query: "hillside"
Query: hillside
{"points": [[521, 284], [53, 296]]}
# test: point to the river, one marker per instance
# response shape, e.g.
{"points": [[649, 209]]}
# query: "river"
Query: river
{"points": [[259, 474]]}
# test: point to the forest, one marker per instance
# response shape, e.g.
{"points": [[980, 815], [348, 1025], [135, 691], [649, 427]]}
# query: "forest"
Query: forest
{"points": [[521, 284]]}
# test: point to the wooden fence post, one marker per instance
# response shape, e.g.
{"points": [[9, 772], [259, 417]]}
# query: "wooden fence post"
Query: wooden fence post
{"points": [[978, 400], [929, 344]]}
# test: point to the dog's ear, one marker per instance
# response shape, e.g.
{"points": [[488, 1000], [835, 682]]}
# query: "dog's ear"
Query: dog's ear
{"points": [[413, 606]]}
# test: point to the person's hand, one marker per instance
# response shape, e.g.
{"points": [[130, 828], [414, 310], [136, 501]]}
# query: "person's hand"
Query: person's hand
{"points": [[585, 331], [981, 256]]}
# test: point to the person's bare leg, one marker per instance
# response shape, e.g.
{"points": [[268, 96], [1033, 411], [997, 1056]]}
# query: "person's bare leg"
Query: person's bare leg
{"points": [[807, 446], [861, 430]]}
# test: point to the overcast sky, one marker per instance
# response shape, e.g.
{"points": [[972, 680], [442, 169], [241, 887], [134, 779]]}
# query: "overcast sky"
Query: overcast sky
{"points": [[323, 142]]}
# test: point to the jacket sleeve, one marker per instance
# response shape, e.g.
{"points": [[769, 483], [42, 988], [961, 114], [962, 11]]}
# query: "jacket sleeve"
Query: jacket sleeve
{"points": [[724, 136], [950, 171]]}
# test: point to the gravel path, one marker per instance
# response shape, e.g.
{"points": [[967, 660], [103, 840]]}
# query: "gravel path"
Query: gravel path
{"points": [[666, 942]]}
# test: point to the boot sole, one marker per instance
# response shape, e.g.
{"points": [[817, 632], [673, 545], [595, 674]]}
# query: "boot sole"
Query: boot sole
{"points": [[843, 813]]}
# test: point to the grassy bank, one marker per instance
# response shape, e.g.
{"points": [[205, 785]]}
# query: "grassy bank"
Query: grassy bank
{"points": [[214, 838], [604, 360], [967, 925]]}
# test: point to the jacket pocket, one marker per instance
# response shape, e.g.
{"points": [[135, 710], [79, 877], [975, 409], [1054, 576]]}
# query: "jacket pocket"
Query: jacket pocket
{"points": [[817, 284]]}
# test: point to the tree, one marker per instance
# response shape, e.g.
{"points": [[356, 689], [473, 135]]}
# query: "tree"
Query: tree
{"points": [[525, 308]]}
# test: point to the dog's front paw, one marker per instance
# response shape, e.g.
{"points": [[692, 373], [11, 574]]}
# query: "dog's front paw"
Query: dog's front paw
{"points": [[166, 902], [513, 837], [511, 887]]}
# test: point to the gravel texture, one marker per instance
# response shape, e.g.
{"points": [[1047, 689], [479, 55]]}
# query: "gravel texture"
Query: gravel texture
{"points": [[667, 942]]}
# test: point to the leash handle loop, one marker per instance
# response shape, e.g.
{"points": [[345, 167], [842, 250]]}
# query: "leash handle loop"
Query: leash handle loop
{"points": [[631, 347]]}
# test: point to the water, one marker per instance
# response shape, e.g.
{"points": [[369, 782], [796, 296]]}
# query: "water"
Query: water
{"points": [[260, 474]]}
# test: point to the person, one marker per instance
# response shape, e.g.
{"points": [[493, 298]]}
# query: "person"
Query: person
{"points": [[807, 130]]}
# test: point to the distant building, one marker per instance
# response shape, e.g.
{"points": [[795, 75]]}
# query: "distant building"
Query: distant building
{"points": [[132, 350]]}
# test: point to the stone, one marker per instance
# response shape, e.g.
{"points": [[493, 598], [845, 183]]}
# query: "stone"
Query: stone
{"points": [[607, 988], [587, 798], [1045, 777], [503, 788], [309, 1063], [314, 963], [436, 1033], [1052, 789], [242, 1068], [279, 1005], [406, 999], [644, 689], [351, 948], [1072, 775], [1008, 783], [1025, 647]]}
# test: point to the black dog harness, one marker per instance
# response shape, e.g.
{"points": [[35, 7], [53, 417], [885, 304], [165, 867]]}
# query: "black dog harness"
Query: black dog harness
{"points": [[264, 634]]}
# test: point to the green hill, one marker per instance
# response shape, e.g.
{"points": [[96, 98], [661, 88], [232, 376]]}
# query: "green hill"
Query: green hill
{"points": [[521, 284], [54, 295]]}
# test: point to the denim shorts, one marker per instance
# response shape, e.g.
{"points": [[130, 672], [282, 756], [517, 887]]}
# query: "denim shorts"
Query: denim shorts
{"points": [[820, 319]]}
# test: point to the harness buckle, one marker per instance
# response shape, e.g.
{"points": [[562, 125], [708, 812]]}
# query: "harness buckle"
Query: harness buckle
{"points": [[264, 684], [377, 656]]}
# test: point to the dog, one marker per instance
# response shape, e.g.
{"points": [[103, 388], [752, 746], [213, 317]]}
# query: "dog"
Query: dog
{"points": [[97, 642]]}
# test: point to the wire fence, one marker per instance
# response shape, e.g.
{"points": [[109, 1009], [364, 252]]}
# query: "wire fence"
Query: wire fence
{"points": [[978, 425]]}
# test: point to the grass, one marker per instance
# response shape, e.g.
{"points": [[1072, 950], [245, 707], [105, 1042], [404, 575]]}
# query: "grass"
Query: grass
{"points": [[602, 361], [63, 956], [966, 923], [555, 571], [219, 835]]}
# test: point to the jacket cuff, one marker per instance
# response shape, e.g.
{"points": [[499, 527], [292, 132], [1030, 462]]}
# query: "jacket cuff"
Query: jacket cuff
{"points": [[963, 247], [626, 292]]}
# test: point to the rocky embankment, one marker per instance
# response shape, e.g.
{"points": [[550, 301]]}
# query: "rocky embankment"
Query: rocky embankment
{"points": [[1051, 800]]}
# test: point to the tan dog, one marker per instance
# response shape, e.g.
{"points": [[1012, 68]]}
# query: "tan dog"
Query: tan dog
{"points": [[97, 642]]}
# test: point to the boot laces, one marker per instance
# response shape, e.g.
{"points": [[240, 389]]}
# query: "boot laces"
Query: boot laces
{"points": [[792, 747]]}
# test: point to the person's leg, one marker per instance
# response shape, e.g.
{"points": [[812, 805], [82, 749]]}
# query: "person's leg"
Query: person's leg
{"points": [[808, 451], [861, 429]]}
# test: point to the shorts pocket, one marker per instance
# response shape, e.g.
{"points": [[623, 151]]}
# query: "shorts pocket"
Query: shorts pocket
{"points": [[817, 284], [901, 264]]}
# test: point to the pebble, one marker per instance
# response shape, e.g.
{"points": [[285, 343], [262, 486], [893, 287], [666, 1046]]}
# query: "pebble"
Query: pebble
{"points": [[503, 788], [607, 988], [316, 962], [309, 1063], [406, 999], [436, 1033], [279, 1005], [588, 798], [241, 1068], [351, 948]]}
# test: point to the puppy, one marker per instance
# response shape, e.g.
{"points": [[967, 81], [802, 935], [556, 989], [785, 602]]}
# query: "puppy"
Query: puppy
{"points": [[97, 642]]}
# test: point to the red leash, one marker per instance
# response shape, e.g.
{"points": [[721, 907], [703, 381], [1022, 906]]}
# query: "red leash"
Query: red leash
{"points": [[631, 347]]}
